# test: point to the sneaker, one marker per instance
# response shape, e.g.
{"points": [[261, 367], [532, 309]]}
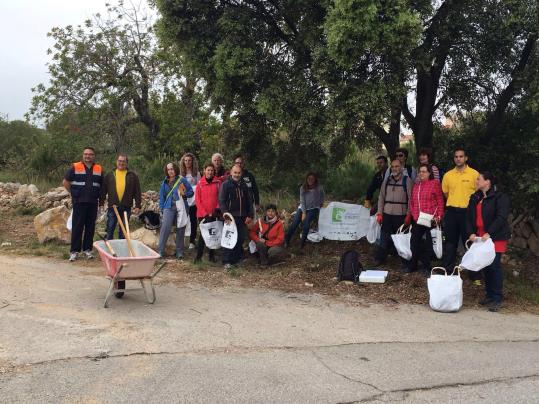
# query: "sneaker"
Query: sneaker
{"points": [[495, 306], [227, 267], [477, 283], [88, 254], [191, 246], [72, 256], [179, 257]]}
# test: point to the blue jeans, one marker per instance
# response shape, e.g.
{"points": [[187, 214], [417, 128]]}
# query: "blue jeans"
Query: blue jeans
{"points": [[170, 217], [494, 280], [310, 215], [112, 221]]}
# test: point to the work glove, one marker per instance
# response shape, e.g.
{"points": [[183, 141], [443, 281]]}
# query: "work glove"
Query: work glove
{"points": [[408, 220], [379, 218]]}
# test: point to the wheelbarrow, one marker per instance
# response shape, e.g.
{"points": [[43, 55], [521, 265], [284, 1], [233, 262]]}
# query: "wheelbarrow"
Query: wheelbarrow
{"points": [[120, 266]]}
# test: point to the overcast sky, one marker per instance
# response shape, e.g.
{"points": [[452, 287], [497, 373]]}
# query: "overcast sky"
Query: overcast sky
{"points": [[23, 46]]}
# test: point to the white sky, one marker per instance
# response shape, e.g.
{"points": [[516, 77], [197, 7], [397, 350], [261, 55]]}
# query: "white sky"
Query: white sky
{"points": [[23, 45]]}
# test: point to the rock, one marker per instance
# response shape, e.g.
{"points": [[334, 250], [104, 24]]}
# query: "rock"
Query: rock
{"points": [[535, 226], [533, 244], [23, 193], [56, 194], [151, 239], [51, 225], [525, 230], [516, 274], [519, 242]]}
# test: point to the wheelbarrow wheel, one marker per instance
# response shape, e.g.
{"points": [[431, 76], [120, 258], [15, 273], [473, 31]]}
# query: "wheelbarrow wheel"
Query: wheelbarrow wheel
{"points": [[121, 285]]}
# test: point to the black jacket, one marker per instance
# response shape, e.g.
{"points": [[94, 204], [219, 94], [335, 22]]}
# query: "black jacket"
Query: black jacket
{"points": [[375, 184], [250, 181], [495, 211], [132, 190], [234, 198]]}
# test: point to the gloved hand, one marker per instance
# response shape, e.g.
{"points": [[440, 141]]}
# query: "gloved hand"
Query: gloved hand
{"points": [[408, 220], [367, 204], [379, 218]]}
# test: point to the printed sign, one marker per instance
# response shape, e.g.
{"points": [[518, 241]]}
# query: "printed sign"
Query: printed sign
{"points": [[343, 221]]}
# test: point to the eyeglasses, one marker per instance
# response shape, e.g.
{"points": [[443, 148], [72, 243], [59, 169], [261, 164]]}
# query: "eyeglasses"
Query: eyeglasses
{"points": [[399, 154]]}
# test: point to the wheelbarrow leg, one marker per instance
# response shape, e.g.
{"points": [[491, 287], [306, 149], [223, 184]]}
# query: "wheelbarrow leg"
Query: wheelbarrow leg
{"points": [[148, 299], [111, 286]]}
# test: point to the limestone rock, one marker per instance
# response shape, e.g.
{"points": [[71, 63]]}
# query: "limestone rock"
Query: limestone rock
{"points": [[51, 225], [151, 239], [535, 226], [525, 230], [533, 244]]}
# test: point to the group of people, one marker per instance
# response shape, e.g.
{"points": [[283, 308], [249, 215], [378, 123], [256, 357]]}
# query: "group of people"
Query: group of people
{"points": [[464, 202]]}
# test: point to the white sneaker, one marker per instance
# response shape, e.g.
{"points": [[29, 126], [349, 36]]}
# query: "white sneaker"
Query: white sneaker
{"points": [[88, 255], [191, 246], [228, 267], [72, 256]]}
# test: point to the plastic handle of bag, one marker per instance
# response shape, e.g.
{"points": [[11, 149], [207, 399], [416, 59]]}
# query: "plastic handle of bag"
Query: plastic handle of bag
{"points": [[400, 229], [458, 269], [432, 270], [230, 216], [466, 244]]}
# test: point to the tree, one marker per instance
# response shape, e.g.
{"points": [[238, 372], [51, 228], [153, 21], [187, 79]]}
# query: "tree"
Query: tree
{"points": [[107, 63]]}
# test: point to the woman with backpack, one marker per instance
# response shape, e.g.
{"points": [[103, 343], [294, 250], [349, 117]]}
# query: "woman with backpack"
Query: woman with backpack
{"points": [[207, 202], [268, 235], [487, 217], [425, 207], [189, 170], [311, 195], [174, 190]]}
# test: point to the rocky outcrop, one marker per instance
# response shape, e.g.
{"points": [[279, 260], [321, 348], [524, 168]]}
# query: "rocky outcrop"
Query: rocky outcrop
{"points": [[51, 225], [151, 239], [525, 234]]}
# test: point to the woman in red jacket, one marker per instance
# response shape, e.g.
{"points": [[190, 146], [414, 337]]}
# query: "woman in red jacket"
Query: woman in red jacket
{"points": [[207, 203], [426, 199], [268, 234]]}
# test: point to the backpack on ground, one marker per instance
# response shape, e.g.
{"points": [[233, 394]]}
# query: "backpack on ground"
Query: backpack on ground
{"points": [[349, 267]]}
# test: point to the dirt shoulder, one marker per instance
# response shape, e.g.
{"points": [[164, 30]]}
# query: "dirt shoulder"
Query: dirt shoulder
{"points": [[311, 270]]}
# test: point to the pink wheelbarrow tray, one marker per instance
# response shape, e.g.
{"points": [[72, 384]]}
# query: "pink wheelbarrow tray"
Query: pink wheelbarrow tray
{"points": [[123, 267]]}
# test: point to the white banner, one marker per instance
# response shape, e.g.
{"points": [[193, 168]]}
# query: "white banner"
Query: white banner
{"points": [[343, 221]]}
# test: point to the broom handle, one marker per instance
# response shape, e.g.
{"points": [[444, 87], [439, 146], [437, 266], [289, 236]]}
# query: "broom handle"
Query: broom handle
{"points": [[120, 223], [128, 235]]}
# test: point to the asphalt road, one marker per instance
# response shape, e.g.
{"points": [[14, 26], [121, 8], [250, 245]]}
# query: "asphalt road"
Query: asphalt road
{"points": [[57, 344]]}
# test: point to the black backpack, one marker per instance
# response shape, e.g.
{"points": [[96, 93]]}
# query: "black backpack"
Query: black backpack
{"points": [[349, 267]]}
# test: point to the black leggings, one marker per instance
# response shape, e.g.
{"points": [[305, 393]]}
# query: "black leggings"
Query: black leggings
{"points": [[193, 219]]}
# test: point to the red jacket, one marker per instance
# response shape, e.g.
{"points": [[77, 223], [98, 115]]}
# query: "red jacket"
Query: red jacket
{"points": [[427, 197], [275, 236], [207, 197]]}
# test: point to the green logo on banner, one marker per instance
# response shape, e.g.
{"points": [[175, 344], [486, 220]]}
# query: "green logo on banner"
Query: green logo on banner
{"points": [[337, 215]]}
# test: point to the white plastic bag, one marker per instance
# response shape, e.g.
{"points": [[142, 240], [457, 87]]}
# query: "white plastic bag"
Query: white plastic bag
{"points": [[211, 233], [374, 231], [480, 255], [402, 242], [313, 236], [191, 201], [445, 291], [69, 223], [437, 242], [252, 247], [183, 217], [229, 237]]}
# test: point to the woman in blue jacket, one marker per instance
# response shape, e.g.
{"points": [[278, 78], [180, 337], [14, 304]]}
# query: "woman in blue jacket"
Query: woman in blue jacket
{"points": [[173, 188]]}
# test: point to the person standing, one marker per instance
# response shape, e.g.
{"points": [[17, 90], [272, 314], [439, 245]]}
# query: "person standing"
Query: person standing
{"points": [[84, 180], [401, 154], [487, 217], [458, 185], [395, 194], [425, 157], [377, 180], [268, 234], [220, 172], [189, 170], [207, 201], [174, 189], [426, 198], [249, 180], [120, 187], [311, 197], [234, 199]]}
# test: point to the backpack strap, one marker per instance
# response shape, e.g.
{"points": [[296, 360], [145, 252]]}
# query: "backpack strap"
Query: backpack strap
{"points": [[172, 189], [403, 185]]}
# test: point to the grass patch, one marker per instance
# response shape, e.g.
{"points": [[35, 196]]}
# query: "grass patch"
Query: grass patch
{"points": [[522, 289]]}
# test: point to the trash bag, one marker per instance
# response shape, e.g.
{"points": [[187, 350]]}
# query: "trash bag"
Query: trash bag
{"points": [[445, 291], [229, 237], [437, 242], [183, 217], [480, 255], [374, 231], [69, 223], [402, 242], [211, 233]]}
